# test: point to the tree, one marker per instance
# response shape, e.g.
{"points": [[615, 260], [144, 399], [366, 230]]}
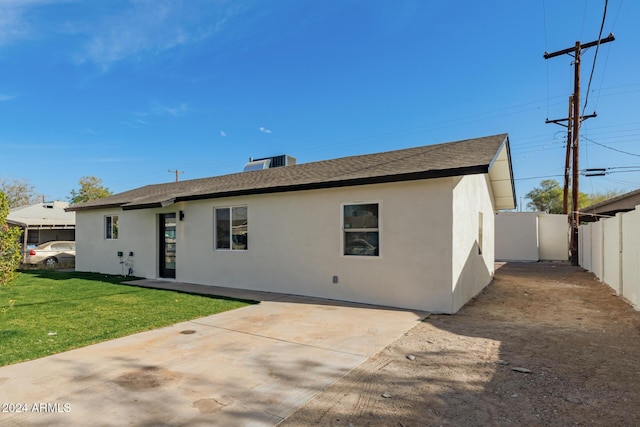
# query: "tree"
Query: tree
{"points": [[10, 253], [601, 197], [19, 192], [546, 198], [91, 188]]}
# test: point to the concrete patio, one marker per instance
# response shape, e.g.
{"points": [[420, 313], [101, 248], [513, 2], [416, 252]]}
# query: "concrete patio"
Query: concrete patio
{"points": [[252, 366]]}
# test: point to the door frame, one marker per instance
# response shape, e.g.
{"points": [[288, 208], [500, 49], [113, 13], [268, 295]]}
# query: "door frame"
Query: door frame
{"points": [[164, 271]]}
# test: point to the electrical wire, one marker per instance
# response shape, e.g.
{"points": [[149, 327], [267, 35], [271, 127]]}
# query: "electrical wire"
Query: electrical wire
{"points": [[584, 18], [546, 43], [606, 61], [610, 148], [595, 56], [538, 177]]}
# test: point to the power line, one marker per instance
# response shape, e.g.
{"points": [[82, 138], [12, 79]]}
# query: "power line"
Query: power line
{"points": [[537, 177], [611, 148], [595, 56], [546, 43]]}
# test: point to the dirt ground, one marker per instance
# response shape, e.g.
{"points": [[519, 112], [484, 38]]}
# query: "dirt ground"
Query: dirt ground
{"points": [[578, 345]]}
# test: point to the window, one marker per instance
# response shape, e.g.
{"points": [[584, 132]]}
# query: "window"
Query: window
{"points": [[361, 229], [63, 247], [231, 228], [111, 227]]}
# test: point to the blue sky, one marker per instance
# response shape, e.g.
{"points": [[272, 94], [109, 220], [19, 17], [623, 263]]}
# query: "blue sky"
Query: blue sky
{"points": [[126, 90]]}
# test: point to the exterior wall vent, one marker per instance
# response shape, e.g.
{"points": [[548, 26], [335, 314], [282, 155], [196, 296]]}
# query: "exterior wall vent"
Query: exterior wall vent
{"points": [[269, 162]]}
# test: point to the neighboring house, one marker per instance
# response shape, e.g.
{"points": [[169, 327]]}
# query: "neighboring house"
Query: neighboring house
{"points": [[411, 228], [609, 208], [43, 222]]}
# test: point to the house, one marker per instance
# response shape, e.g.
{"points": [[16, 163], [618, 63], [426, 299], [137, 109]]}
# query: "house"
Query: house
{"points": [[609, 208], [43, 222], [411, 228]]}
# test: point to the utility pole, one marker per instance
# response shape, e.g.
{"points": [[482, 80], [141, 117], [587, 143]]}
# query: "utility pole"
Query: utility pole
{"points": [[567, 160], [176, 172], [574, 121]]}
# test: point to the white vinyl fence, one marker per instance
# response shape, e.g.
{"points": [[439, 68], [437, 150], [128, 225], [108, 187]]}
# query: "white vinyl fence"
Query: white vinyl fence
{"points": [[610, 249], [531, 236]]}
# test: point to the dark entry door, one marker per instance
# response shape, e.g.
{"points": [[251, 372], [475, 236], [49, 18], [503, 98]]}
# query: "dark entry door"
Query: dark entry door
{"points": [[167, 254]]}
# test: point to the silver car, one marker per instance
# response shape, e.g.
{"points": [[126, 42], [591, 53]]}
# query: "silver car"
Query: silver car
{"points": [[52, 253]]}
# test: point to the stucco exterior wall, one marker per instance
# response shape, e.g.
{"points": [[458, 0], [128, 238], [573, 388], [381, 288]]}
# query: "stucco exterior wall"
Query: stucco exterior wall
{"points": [[472, 268], [295, 244]]}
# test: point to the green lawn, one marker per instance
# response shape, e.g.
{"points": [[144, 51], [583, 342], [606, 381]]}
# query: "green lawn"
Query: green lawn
{"points": [[47, 312]]}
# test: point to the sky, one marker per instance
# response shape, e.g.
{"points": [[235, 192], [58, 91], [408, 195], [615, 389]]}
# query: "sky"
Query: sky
{"points": [[128, 90]]}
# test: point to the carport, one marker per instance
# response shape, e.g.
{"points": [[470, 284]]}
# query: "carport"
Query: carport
{"points": [[43, 222]]}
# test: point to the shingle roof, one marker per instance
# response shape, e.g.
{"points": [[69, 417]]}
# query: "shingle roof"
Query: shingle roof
{"points": [[449, 159]]}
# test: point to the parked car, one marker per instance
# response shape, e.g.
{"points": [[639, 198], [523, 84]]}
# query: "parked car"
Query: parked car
{"points": [[52, 253]]}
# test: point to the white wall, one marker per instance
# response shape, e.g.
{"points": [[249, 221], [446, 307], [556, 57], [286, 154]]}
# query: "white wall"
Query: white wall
{"points": [[531, 236], [631, 256], [610, 248], [295, 242], [471, 270], [611, 235], [596, 249], [517, 236], [553, 237], [584, 253]]}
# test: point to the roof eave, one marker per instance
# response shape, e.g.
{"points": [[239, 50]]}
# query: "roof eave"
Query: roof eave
{"points": [[414, 176], [501, 178], [90, 207]]}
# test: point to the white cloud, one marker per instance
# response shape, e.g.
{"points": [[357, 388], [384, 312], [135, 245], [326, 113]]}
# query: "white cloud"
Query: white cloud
{"points": [[131, 125], [223, 133], [6, 97], [16, 20], [149, 28], [141, 118], [106, 160], [12, 23], [264, 130], [175, 111], [96, 33]]}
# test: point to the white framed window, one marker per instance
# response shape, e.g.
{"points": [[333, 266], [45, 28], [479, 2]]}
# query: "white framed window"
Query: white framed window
{"points": [[111, 227], [361, 229], [231, 228]]}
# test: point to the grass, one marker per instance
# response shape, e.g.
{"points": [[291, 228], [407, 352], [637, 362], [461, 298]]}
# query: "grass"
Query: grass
{"points": [[48, 312]]}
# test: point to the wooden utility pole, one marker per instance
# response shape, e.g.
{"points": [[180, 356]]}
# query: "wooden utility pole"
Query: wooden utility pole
{"points": [[574, 121], [176, 172], [575, 136], [567, 160]]}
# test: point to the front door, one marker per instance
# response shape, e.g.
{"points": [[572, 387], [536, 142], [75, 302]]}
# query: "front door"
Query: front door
{"points": [[167, 233]]}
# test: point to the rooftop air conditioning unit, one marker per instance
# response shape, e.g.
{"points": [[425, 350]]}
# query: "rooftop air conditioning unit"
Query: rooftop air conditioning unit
{"points": [[269, 162]]}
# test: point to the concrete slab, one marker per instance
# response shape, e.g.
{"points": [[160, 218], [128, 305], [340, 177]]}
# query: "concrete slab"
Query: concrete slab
{"points": [[252, 366]]}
